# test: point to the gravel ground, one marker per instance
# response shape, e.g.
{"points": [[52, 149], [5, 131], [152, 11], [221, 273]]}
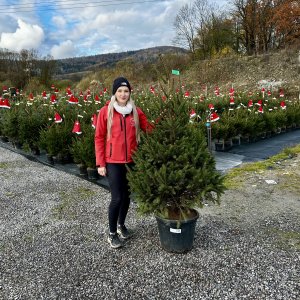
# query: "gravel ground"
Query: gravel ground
{"points": [[52, 243]]}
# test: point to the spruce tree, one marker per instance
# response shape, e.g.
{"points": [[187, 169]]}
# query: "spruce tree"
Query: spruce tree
{"points": [[174, 170]]}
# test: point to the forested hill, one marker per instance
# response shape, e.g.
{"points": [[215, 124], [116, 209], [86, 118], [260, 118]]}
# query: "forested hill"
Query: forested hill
{"points": [[91, 63]]}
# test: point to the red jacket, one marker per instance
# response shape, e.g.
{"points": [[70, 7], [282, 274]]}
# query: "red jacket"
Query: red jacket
{"points": [[122, 143]]}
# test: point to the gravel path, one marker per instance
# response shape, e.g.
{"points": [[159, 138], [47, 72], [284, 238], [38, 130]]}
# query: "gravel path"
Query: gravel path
{"points": [[52, 242]]}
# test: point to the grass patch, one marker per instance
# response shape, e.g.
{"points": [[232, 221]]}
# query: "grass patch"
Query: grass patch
{"points": [[286, 239], [69, 202], [4, 165], [235, 178], [290, 181]]}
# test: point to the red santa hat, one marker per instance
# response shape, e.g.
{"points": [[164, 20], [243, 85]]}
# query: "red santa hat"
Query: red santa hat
{"points": [[69, 92], [57, 118], [260, 110], [31, 97], [259, 102], [214, 117], [73, 100], [44, 94], [281, 93], [231, 101], [5, 103], [192, 114], [211, 106], [53, 98], [282, 105], [187, 94], [76, 128], [217, 91], [250, 103]]}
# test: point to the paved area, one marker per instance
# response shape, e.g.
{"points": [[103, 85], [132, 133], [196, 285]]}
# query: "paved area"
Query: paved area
{"points": [[256, 151]]}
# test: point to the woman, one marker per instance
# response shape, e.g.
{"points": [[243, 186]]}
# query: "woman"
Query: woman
{"points": [[116, 138]]}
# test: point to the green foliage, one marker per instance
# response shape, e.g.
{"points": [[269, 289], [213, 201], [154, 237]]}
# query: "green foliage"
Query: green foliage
{"points": [[10, 124], [31, 120], [83, 149], [56, 139], [173, 167]]}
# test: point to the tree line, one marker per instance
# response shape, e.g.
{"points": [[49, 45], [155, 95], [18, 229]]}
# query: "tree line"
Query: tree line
{"points": [[19, 68], [251, 27]]}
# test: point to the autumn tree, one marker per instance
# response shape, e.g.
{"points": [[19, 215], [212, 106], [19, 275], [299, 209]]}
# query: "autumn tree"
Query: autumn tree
{"points": [[267, 24], [286, 17], [216, 37]]}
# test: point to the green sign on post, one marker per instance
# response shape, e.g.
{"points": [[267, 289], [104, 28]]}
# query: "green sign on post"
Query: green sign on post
{"points": [[175, 72]]}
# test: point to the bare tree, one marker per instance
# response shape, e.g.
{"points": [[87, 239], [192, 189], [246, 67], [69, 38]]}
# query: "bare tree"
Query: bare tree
{"points": [[47, 67], [186, 28]]}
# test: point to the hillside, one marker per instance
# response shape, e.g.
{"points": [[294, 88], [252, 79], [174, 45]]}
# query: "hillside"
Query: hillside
{"points": [[87, 64], [273, 70]]}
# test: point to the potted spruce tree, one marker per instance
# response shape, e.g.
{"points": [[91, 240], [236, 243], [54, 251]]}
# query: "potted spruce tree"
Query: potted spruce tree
{"points": [[83, 152], [174, 174]]}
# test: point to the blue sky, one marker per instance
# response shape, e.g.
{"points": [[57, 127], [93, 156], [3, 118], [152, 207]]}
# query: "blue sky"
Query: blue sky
{"points": [[69, 28]]}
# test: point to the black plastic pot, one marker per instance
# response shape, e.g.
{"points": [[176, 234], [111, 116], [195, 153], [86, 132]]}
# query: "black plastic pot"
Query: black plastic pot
{"points": [[177, 239], [4, 139], [92, 173], [82, 170], [50, 159]]}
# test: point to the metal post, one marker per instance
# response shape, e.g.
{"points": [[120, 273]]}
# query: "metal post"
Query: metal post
{"points": [[208, 126]]}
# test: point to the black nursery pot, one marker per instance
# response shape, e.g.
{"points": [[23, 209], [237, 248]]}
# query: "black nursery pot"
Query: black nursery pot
{"points": [[177, 239], [92, 174]]}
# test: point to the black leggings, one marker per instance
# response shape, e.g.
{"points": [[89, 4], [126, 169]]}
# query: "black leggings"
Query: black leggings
{"points": [[120, 195]]}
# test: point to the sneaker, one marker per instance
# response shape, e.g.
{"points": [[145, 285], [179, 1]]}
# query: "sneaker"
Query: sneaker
{"points": [[124, 232], [114, 240]]}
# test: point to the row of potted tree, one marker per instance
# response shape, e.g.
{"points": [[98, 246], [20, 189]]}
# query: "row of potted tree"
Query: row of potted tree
{"points": [[39, 123]]}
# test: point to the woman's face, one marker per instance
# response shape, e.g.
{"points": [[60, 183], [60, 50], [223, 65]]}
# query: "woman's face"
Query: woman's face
{"points": [[122, 95]]}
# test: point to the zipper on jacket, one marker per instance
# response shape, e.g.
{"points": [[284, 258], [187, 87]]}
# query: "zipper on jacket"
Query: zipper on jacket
{"points": [[121, 124], [124, 117], [110, 149]]}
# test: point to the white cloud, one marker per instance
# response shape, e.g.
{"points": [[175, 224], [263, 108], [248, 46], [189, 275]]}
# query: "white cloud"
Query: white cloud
{"points": [[59, 21], [26, 36], [93, 30], [63, 50], [121, 30]]}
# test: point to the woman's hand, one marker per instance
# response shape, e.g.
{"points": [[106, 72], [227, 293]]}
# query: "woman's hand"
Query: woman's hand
{"points": [[102, 171]]}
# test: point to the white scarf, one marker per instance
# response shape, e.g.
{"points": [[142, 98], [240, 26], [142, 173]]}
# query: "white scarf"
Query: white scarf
{"points": [[124, 110]]}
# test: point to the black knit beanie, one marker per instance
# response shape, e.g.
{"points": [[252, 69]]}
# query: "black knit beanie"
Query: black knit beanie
{"points": [[120, 81]]}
